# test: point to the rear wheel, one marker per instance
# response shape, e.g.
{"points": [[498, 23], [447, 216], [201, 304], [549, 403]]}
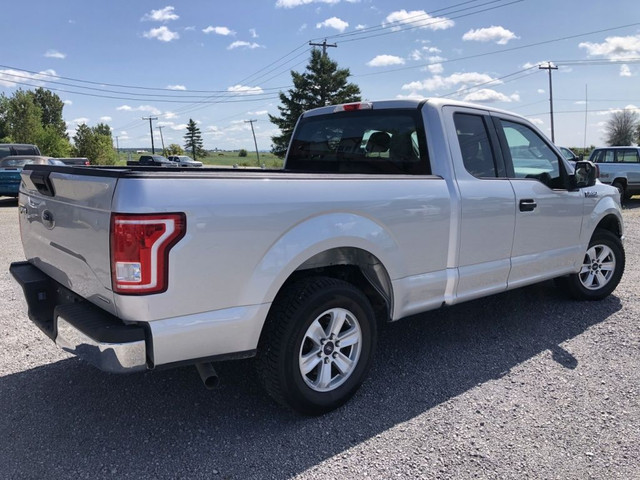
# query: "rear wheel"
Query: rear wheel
{"points": [[601, 270], [317, 345]]}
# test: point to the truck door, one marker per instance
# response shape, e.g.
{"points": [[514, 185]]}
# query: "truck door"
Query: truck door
{"points": [[548, 217], [487, 205]]}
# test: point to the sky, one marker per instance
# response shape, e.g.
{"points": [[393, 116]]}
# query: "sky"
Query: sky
{"points": [[223, 63]]}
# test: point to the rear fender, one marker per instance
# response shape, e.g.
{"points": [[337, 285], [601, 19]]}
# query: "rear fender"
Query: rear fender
{"points": [[302, 247]]}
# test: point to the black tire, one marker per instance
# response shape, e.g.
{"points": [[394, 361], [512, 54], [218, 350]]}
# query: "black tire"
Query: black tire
{"points": [[291, 338], [624, 196], [602, 268]]}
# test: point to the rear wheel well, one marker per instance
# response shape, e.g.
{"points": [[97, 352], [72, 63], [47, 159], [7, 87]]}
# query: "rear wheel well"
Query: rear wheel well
{"points": [[357, 267]]}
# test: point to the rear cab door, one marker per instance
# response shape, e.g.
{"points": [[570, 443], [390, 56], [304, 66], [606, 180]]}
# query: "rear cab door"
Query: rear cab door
{"points": [[486, 206]]}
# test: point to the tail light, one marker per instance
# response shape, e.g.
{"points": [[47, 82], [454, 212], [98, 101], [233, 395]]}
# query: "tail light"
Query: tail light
{"points": [[140, 246], [351, 107]]}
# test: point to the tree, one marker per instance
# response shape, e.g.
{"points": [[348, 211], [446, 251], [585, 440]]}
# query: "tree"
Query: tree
{"points": [[622, 128], [193, 140], [51, 110], [322, 84], [95, 144], [23, 118], [52, 144], [174, 149]]}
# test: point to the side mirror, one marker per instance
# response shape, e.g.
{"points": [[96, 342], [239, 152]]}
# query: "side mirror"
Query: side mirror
{"points": [[585, 174]]}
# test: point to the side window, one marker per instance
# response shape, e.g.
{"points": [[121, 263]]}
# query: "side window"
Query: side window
{"points": [[475, 147], [607, 157], [530, 154], [627, 156], [5, 151]]}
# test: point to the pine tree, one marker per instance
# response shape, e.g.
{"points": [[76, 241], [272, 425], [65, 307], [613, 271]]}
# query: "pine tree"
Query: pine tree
{"points": [[193, 140], [321, 84]]}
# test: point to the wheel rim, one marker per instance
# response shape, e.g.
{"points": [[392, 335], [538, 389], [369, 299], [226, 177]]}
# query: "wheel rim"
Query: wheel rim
{"points": [[330, 349], [598, 267]]}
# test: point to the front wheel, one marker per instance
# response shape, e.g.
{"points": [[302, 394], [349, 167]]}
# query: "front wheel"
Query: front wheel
{"points": [[601, 270], [317, 345]]}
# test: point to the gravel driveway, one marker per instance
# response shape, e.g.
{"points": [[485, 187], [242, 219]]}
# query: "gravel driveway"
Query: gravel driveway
{"points": [[525, 384]]}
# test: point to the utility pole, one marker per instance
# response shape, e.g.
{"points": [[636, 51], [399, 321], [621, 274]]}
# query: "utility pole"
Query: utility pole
{"points": [[254, 138], [117, 146], [161, 137], [324, 46], [153, 150], [550, 67]]}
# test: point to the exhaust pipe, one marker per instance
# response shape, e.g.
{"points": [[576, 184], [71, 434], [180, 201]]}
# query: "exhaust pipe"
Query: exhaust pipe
{"points": [[208, 375]]}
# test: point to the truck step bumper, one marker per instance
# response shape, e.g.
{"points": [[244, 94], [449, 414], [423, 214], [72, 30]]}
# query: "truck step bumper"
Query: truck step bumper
{"points": [[79, 327]]}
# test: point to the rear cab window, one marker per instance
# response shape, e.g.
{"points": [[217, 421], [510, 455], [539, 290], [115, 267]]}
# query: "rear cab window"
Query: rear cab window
{"points": [[385, 141]]}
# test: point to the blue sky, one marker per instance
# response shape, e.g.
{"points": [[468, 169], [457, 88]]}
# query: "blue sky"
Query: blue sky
{"points": [[223, 63]]}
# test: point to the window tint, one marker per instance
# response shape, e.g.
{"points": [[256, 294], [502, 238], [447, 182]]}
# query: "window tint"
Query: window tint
{"points": [[530, 155], [474, 143], [5, 151], [385, 141]]}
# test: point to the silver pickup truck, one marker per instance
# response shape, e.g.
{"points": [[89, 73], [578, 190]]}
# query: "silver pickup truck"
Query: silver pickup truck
{"points": [[383, 210]]}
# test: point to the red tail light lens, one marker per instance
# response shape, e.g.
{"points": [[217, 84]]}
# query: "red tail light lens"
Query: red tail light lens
{"points": [[140, 247]]}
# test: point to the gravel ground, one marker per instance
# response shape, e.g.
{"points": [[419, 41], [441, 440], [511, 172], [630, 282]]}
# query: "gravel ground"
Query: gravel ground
{"points": [[525, 384]]}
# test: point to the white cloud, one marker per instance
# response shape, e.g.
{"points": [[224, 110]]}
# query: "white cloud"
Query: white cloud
{"points": [[176, 87], [385, 61], [614, 48], [500, 35], [418, 19], [106, 118], [245, 90], [253, 33], [537, 122], [163, 15], [541, 91], [67, 102], [10, 77], [161, 33], [435, 68], [360, 27], [142, 108], [80, 120], [457, 79], [55, 54], [243, 44], [169, 115], [625, 71], [259, 112], [333, 22], [224, 31], [486, 95]]}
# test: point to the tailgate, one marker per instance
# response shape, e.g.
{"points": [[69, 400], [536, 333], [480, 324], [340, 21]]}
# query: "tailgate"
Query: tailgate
{"points": [[64, 222]]}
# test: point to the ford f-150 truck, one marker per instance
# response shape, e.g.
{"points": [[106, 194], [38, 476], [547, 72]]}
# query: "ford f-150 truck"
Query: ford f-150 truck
{"points": [[382, 210]]}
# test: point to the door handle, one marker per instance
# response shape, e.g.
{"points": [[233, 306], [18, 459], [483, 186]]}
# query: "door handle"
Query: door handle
{"points": [[528, 205]]}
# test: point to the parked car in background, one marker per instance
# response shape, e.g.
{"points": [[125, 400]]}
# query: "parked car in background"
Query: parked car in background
{"points": [[620, 167], [11, 167], [569, 155], [185, 161], [152, 161], [75, 161], [7, 149]]}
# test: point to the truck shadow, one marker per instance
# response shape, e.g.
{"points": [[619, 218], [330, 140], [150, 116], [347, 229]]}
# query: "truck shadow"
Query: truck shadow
{"points": [[68, 419]]}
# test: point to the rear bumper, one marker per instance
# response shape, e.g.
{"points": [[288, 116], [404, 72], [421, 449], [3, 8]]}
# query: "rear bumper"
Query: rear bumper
{"points": [[79, 327]]}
